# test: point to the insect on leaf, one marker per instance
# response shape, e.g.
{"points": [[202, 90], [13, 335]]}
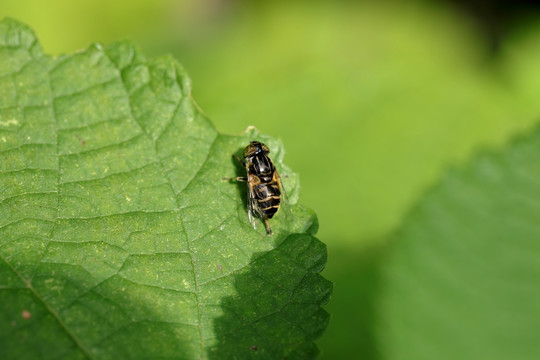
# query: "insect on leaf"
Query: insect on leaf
{"points": [[118, 238]]}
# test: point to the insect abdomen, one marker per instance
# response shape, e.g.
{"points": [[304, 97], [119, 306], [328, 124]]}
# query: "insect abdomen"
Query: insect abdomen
{"points": [[268, 197]]}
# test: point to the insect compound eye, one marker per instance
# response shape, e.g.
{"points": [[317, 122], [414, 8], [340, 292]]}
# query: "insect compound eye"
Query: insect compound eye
{"points": [[250, 150], [255, 148]]}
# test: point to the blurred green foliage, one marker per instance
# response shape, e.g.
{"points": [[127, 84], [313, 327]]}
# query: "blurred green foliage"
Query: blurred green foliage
{"points": [[460, 278], [373, 100]]}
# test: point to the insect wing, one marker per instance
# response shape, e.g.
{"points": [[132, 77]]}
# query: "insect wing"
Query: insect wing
{"points": [[285, 204], [251, 203]]}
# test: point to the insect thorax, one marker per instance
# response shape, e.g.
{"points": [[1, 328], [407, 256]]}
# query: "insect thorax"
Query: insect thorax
{"points": [[262, 167]]}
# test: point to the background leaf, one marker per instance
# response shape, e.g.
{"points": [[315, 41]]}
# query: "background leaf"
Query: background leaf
{"points": [[118, 238], [461, 277]]}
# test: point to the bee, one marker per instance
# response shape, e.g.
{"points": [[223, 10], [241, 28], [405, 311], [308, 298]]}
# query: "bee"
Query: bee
{"points": [[264, 183]]}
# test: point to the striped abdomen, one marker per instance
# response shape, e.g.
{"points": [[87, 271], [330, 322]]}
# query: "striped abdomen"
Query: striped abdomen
{"points": [[266, 191], [268, 197]]}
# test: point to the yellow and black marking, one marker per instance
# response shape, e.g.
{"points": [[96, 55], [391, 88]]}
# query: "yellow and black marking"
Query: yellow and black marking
{"points": [[264, 185]]}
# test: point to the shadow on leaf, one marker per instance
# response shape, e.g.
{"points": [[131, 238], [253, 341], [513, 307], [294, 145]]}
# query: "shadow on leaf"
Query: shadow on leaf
{"points": [[276, 312]]}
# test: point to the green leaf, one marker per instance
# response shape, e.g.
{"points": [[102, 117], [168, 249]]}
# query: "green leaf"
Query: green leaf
{"points": [[462, 279], [118, 238]]}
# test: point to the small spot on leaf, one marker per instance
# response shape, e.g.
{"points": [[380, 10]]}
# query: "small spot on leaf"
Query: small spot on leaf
{"points": [[26, 314]]}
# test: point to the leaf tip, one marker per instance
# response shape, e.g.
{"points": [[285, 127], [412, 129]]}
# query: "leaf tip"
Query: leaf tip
{"points": [[14, 33]]}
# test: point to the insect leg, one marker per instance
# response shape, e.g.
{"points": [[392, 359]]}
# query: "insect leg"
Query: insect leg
{"points": [[240, 178], [268, 229], [240, 160]]}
